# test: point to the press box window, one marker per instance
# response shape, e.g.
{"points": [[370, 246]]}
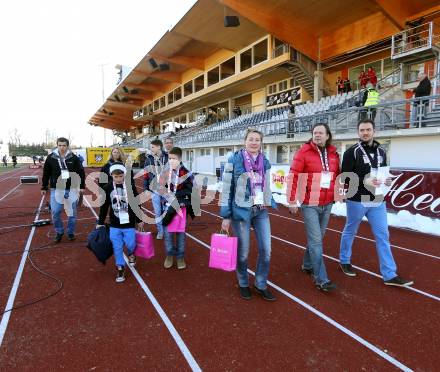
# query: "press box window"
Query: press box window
{"points": [[199, 83], [246, 60], [213, 76], [162, 102], [227, 68], [170, 98], [260, 52], [188, 88], [177, 94], [156, 105]]}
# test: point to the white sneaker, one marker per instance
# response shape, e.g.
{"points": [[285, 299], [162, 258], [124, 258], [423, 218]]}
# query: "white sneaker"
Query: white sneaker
{"points": [[120, 277], [159, 236]]}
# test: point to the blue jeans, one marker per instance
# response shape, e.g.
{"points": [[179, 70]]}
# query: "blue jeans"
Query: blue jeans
{"points": [[119, 237], [377, 218], [316, 221], [58, 200], [260, 222], [156, 199], [174, 243]]}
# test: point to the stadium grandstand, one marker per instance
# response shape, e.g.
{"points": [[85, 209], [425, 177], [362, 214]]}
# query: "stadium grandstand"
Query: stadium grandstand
{"points": [[276, 69]]}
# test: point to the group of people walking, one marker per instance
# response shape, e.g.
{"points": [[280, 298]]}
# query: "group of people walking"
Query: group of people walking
{"points": [[244, 203]]}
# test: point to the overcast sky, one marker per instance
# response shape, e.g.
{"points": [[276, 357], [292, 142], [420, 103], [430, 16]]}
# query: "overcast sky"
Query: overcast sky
{"points": [[51, 53]]}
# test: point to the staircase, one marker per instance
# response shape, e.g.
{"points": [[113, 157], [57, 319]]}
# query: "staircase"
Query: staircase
{"points": [[302, 69]]}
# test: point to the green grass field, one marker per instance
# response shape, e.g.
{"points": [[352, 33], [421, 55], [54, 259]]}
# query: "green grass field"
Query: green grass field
{"points": [[10, 167]]}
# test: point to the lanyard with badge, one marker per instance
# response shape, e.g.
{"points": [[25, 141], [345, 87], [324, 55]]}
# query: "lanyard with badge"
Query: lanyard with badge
{"points": [[123, 214], [374, 170], [367, 157], [64, 171], [325, 174], [258, 189]]}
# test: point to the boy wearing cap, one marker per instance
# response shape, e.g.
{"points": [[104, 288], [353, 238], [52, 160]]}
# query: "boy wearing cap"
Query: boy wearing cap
{"points": [[122, 218]]}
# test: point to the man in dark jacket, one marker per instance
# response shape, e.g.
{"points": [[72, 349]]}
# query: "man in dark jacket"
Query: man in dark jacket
{"points": [[63, 174], [422, 90], [154, 164], [363, 160]]}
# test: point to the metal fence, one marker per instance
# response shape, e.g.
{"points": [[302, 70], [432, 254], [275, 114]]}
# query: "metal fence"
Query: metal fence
{"points": [[410, 113]]}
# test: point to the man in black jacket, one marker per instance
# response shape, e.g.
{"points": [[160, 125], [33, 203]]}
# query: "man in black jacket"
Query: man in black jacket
{"points": [[422, 90], [154, 165], [63, 174], [363, 161]]}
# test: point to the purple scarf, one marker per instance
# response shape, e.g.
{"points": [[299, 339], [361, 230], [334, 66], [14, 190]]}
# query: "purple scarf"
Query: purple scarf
{"points": [[255, 169]]}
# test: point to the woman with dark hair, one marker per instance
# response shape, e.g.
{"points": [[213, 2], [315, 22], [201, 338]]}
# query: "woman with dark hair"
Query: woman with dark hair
{"points": [[245, 198], [313, 173]]}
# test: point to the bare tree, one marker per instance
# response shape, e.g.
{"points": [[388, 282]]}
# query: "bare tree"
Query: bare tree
{"points": [[15, 137]]}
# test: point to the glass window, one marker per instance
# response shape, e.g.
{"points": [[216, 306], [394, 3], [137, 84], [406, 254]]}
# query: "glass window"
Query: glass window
{"points": [[207, 152], [156, 105], [277, 42], [192, 116], [282, 85], [170, 98], [213, 76], [293, 149], [202, 152], [162, 102], [199, 83], [377, 66], [246, 60], [353, 75], [227, 68], [182, 119], [272, 89], [293, 83], [177, 93], [282, 154], [260, 52], [188, 88]]}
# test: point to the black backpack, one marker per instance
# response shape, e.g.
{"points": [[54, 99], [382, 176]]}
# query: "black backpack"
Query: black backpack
{"points": [[100, 244]]}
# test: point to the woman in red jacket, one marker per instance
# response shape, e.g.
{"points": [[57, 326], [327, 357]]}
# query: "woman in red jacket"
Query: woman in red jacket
{"points": [[313, 173]]}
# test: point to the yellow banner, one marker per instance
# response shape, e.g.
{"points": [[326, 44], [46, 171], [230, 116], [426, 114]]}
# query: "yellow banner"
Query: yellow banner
{"points": [[98, 156]]}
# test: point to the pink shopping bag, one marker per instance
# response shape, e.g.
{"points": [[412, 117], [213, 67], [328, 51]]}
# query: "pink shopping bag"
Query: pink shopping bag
{"points": [[223, 254], [144, 244], [178, 223]]}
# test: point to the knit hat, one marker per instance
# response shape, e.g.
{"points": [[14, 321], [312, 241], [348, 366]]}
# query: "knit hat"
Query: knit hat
{"points": [[116, 166]]}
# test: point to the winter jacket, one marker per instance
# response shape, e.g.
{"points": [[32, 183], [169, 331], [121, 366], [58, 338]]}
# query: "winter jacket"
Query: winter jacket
{"points": [[307, 160], [354, 161], [423, 89], [183, 192], [153, 164], [52, 171], [111, 203], [235, 202]]}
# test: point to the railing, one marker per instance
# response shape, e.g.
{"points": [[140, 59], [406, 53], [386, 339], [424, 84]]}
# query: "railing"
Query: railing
{"points": [[415, 39], [410, 113], [237, 133]]}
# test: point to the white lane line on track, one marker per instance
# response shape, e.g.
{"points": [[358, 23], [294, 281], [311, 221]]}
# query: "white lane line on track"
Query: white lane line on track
{"points": [[5, 318], [14, 175], [179, 341], [429, 295], [324, 317], [10, 192], [363, 238]]}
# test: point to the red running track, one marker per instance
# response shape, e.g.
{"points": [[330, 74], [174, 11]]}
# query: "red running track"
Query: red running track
{"points": [[96, 324]]}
